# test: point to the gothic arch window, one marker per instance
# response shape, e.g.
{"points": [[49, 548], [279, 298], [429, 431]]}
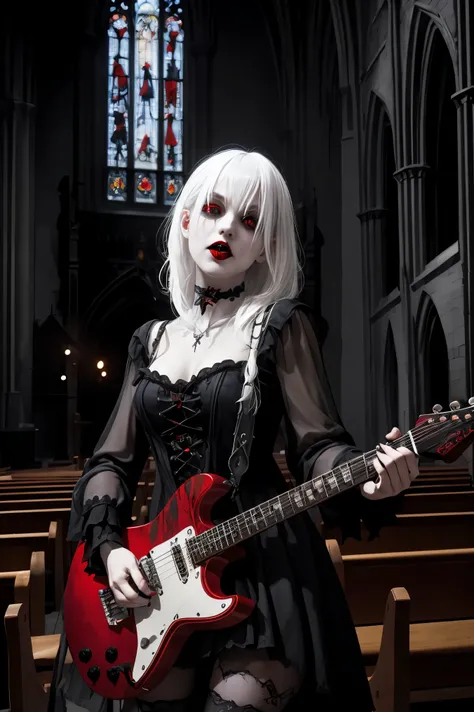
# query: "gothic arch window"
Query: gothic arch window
{"points": [[390, 372], [441, 196], [382, 197], [434, 362], [145, 102]]}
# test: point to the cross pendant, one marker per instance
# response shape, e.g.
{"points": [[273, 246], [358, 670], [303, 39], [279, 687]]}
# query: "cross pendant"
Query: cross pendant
{"points": [[197, 340]]}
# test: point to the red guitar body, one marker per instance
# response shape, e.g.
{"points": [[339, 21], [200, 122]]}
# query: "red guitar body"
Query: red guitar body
{"points": [[130, 657]]}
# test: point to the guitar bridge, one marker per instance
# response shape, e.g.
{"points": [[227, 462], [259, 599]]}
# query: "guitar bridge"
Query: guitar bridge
{"points": [[114, 613], [148, 569]]}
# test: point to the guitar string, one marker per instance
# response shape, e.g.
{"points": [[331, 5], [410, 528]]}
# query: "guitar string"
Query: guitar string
{"points": [[284, 511], [209, 536], [246, 519]]}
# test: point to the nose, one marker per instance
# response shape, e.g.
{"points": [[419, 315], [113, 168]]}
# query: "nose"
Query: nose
{"points": [[226, 224]]}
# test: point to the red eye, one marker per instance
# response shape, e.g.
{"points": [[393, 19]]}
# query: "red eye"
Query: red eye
{"points": [[211, 209], [250, 222]]}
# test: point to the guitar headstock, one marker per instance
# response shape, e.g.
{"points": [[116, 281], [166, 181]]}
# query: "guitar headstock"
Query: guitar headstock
{"points": [[449, 433]]}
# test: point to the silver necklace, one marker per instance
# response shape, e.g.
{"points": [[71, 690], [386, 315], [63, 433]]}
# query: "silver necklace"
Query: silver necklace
{"points": [[198, 337]]}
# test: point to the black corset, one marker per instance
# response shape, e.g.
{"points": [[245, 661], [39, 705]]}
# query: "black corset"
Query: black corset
{"points": [[183, 438]]}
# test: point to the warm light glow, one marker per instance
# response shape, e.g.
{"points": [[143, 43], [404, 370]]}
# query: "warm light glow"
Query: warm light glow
{"points": [[100, 364], [103, 374], [68, 352], [63, 377]]}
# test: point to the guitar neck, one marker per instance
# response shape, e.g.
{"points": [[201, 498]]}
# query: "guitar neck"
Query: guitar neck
{"points": [[444, 431], [246, 525]]}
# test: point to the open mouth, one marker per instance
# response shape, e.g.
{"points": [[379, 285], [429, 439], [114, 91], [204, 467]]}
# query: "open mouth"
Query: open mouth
{"points": [[220, 250]]}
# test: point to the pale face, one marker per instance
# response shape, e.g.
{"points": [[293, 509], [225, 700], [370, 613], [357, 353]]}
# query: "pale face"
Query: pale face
{"points": [[222, 219]]}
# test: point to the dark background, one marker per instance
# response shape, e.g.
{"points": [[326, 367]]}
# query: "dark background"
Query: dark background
{"points": [[366, 107]]}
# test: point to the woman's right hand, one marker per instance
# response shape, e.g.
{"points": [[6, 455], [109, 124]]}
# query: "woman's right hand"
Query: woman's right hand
{"points": [[125, 577]]}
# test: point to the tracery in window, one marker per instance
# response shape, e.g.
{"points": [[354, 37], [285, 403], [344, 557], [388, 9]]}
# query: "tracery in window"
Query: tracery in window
{"points": [[145, 101]]}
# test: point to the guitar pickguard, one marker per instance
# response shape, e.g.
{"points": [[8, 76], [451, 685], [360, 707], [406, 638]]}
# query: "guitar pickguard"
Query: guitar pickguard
{"points": [[183, 597]]}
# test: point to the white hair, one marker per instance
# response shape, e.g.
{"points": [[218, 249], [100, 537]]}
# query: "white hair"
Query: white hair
{"points": [[279, 277]]}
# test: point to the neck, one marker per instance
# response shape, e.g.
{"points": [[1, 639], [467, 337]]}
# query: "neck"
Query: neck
{"points": [[218, 302]]}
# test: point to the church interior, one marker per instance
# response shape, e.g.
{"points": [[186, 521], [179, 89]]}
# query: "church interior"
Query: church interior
{"points": [[367, 108]]}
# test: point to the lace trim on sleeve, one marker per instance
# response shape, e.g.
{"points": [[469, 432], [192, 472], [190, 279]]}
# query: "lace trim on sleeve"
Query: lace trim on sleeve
{"points": [[100, 524]]}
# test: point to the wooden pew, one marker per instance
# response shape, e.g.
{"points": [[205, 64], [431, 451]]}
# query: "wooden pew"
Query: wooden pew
{"points": [[439, 488], [414, 532], [443, 469], [446, 482], [27, 588], [37, 520], [16, 550], [388, 673], [433, 502], [34, 494], [441, 615], [26, 692], [27, 504]]}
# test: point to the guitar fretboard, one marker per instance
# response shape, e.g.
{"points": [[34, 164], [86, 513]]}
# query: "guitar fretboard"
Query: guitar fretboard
{"points": [[243, 526], [347, 475]]}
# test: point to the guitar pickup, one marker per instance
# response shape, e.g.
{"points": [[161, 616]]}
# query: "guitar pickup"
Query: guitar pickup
{"points": [[114, 613], [148, 569], [180, 562]]}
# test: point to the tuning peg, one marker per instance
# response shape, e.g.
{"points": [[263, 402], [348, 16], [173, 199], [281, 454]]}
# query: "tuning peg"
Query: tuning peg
{"points": [[471, 400], [437, 408], [455, 405]]}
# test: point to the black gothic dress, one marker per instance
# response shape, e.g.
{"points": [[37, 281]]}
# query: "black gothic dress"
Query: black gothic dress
{"points": [[301, 613]]}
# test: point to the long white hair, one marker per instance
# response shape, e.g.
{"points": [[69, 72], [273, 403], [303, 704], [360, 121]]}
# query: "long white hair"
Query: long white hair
{"points": [[279, 277]]}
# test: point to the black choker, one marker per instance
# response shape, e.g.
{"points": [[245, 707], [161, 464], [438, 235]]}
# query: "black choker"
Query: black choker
{"points": [[208, 296]]}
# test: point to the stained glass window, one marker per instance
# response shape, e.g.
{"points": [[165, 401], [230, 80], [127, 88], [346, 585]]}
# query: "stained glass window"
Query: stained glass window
{"points": [[145, 101]]}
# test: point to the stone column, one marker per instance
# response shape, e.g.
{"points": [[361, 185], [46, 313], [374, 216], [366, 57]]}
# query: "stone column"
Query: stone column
{"points": [[465, 104], [17, 130], [411, 195], [464, 99]]}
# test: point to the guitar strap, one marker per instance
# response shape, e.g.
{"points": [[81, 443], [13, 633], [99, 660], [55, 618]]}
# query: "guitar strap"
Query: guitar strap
{"points": [[243, 434]]}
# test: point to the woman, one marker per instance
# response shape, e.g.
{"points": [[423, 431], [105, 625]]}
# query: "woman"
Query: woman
{"points": [[242, 349]]}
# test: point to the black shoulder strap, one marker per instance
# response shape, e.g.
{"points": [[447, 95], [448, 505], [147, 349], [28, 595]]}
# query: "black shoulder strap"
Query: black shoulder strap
{"points": [[243, 434], [157, 339]]}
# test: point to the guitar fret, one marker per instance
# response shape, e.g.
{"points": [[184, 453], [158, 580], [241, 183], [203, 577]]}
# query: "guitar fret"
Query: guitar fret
{"points": [[278, 509], [345, 468], [332, 482], [297, 498]]}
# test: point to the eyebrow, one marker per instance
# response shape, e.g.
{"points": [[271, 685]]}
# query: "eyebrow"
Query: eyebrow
{"points": [[220, 197]]}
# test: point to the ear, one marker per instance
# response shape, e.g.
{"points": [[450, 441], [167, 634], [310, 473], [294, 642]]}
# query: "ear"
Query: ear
{"points": [[185, 217], [262, 256]]}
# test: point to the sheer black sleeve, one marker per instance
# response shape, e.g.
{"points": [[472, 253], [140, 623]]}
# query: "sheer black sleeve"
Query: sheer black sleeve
{"points": [[102, 498], [316, 439]]}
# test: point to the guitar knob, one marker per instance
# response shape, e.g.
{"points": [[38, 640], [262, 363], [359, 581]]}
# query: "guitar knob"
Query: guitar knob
{"points": [[111, 655], [471, 400], [93, 673], [455, 405], [113, 674], [85, 655], [437, 408]]}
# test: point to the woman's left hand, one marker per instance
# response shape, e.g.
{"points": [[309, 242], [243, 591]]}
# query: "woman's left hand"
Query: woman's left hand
{"points": [[397, 468]]}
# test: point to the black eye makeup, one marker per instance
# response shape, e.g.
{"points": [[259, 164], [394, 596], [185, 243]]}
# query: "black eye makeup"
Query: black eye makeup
{"points": [[250, 221], [211, 209]]}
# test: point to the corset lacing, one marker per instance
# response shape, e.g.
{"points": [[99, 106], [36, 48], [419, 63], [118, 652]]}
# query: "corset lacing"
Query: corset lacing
{"points": [[183, 440]]}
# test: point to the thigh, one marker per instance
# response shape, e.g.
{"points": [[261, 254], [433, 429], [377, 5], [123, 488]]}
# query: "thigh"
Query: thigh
{"points": [[248, 680]]}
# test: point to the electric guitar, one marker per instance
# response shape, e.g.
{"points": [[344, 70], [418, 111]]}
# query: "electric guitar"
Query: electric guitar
{"points": [[123, 653]]}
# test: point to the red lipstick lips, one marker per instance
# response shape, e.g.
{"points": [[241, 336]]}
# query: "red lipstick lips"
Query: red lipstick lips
{"points": [[220, 250]]}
